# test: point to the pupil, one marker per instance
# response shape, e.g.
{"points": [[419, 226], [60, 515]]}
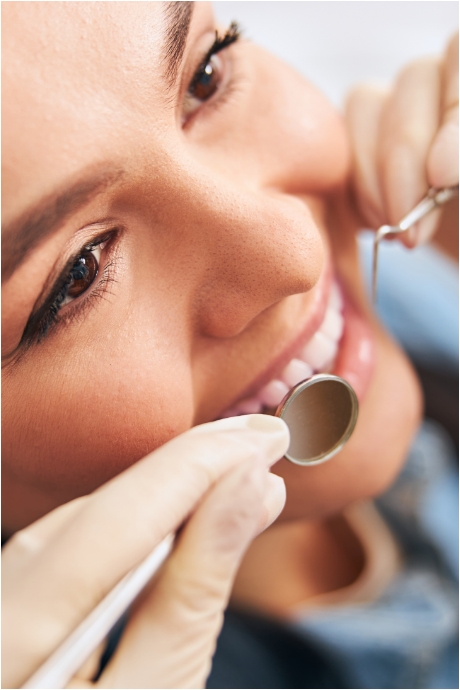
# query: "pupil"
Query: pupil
{"points": [[82, 274], [79, 272], [207, 75], [207, 83]]}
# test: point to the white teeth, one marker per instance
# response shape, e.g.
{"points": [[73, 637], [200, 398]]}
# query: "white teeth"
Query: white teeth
{"points": [[318, 355], [272, 394], [319, 351], [296, 371], [335, 298], [250, 406], [332, 325]]}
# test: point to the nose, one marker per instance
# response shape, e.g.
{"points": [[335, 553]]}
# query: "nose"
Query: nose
{"points": [[251, 246], [247, 197], [288, 147]]}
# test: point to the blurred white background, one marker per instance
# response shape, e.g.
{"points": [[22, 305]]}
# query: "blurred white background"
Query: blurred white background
{"points": [[336, 44]]}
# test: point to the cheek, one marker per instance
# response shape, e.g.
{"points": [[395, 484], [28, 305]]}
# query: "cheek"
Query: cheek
{"points": [[308, 143], [84, 422]]}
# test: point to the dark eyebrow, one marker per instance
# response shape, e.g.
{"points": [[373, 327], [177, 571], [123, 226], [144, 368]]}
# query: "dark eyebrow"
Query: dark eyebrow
{"points": [[178, 18], [25, 233]]}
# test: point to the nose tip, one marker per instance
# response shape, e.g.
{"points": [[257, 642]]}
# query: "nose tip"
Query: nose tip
{"points": [[276, 253]]}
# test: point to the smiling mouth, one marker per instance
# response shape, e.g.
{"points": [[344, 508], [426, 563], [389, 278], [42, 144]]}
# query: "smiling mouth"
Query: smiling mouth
{"points": [[317, 356]]}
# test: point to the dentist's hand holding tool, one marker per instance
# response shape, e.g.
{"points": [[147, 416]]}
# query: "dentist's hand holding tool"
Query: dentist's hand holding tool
{"points": [[404, 141], [214, 478]]}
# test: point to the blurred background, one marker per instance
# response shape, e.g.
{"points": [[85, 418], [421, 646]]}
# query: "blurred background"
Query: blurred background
{"points": [[336, 44]]}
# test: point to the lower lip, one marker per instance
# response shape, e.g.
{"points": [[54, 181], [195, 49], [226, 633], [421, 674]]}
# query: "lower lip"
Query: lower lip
{"points": [[355, 361]]}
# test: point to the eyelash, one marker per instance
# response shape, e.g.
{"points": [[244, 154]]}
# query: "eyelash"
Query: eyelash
{"points": [[49, 316], [232, 35]]}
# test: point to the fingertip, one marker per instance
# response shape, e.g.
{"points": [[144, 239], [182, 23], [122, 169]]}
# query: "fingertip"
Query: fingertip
{"points": [[271, 434], [274, 501]]}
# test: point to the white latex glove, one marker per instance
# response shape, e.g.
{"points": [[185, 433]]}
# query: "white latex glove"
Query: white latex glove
{"points": [[405, 140], [216, 477]]}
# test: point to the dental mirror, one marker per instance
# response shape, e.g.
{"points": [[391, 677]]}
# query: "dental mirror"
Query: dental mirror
{"points": [[321, 413]]}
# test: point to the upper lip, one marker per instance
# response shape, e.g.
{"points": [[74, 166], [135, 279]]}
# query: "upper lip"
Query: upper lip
{"points": [[315, 317]]}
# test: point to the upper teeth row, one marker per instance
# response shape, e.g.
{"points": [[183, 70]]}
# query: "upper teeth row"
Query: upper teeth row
{"points": [[317, 355]]}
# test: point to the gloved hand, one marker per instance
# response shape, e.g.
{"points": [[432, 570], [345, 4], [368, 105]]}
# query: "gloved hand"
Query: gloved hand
{"points": [[215, 477], [405, 140]]}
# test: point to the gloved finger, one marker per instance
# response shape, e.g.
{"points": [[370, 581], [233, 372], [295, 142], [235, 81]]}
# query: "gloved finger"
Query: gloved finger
{"points": [[118, 526], [80, 683], [363, 111], [408, 125], [442, 165], [272, 505], [170, 639], [24, 545]]}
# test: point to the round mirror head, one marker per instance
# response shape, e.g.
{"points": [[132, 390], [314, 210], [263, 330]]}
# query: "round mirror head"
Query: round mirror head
{"points": [[321, 414]]}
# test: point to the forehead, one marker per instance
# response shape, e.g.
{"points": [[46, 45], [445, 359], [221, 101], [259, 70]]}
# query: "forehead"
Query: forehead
{"points": [[74, 46], [75, 76]]}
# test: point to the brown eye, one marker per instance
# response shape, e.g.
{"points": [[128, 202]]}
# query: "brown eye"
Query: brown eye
{"points": [[206, 80], [82, 274]]}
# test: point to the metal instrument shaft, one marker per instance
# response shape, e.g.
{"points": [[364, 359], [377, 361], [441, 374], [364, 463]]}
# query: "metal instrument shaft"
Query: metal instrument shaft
{"points": [[433, 199]]}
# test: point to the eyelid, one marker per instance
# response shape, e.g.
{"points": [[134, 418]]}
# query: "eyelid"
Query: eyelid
{"points": [[231, 35], [82, 239], [195, 65], [44, 304]]}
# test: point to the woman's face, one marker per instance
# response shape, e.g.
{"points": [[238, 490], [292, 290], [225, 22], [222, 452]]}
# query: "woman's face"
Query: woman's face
{"points": [[170, 245]]}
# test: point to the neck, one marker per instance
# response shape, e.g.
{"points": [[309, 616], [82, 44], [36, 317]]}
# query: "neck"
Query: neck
{"points": [[292, 562]]}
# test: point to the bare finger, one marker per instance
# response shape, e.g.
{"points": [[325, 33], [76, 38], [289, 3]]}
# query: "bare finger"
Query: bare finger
{"points": [[442, 164], [363, 111], [408, 125]]}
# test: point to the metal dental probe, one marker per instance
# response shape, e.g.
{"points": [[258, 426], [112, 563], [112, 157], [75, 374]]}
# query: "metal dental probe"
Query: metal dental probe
{"points": [[433, 199]]}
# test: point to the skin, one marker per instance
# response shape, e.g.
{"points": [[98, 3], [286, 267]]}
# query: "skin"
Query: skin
{"points": [[228, 221]]}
